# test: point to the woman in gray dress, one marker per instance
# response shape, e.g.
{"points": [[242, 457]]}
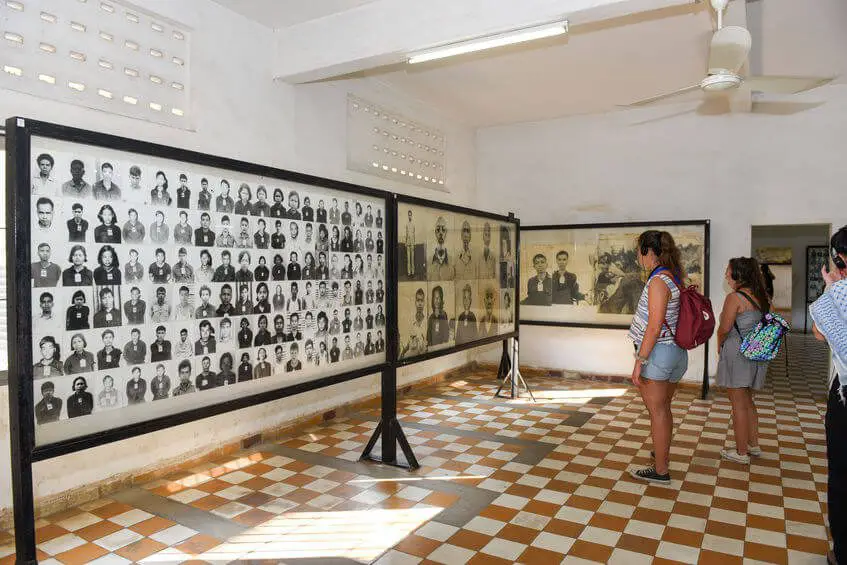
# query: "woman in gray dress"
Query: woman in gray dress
{"points": [[742, 310]]}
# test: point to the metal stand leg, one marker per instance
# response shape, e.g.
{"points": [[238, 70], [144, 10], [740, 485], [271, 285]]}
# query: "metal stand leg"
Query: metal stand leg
{"points": [[513, 379], [786, 354], [389, 429], [704, 391], [505, 362]]}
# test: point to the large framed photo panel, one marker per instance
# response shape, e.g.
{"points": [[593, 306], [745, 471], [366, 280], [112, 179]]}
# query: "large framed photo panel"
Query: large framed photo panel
{"points": [[159, 285], [456, 272], [817, 257], [588, 275]]}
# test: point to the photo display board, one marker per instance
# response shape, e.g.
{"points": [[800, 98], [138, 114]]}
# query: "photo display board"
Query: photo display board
{"points": [[817, 257], [589, 275], [456, 278], [159, 286]]}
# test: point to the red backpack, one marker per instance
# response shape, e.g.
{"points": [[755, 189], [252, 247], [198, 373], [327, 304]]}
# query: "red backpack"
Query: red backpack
{"points": [[696, 318]]}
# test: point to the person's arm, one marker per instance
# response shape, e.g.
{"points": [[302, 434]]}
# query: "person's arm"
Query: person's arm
{"points": [[818, 335], [657, 305], [731, 308]]}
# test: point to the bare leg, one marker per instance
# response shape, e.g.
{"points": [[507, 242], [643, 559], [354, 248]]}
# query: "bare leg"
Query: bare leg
{"points": [[656, 397], [753, 418], [740, 418]]}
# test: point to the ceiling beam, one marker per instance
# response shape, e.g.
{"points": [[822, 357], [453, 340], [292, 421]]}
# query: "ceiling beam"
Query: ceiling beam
{"points": [[383, 32]]}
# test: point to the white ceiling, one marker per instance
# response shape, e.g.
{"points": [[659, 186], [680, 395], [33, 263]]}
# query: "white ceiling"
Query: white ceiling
{"points": [[587, 72], [599, 69], [284, 13]]}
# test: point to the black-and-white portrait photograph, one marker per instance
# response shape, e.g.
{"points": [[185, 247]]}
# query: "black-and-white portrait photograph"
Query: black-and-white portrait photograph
{"points": [[411, 244]]}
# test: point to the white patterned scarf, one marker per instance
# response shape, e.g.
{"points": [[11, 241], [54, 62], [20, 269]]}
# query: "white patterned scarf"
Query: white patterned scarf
{"points": [[829, 313]]}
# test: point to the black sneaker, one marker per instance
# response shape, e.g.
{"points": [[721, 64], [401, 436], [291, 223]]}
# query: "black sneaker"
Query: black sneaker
{"points": [[650, 475]]}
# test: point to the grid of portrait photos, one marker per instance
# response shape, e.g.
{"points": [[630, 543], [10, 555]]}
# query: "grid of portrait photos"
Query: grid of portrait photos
{"points": [[587, 275], [456, 276], [159, 286]]}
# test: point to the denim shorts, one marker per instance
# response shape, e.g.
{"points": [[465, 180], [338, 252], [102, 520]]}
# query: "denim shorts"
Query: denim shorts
{"points": [[667, 362]]}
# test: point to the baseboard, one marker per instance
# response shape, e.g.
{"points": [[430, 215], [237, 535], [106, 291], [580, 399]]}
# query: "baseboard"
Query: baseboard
{"points": [[74, 497]]}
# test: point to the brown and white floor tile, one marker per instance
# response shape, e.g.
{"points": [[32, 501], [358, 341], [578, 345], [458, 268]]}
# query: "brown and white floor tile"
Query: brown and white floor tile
{"points": [[501, 482]]}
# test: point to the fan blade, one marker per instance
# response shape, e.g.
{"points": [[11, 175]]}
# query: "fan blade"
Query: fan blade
{"points": [[652, 99], [729, 49], [785, 84]]}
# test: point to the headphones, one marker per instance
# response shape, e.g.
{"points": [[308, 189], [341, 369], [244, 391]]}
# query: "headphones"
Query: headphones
{"points": [[837, 260]]}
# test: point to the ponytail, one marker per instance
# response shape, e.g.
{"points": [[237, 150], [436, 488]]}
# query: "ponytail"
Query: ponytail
{"points": [[662, 244]]}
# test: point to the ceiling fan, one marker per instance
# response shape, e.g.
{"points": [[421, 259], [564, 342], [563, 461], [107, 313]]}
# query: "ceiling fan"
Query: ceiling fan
{"points": [[728, 52]]}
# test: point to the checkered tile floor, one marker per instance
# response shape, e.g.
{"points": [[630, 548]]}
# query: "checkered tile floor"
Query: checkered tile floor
{"points": [[574, 503], [106, 531]]}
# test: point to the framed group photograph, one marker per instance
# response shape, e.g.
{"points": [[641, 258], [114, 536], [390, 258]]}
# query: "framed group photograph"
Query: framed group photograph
{"points": [[588, 275], [159, 286], [456, 275]]}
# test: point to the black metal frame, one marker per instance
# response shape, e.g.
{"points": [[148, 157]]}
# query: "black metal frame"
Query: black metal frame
{"points": [[389, 427], [806, 284], [19, 132], [706, 224]]}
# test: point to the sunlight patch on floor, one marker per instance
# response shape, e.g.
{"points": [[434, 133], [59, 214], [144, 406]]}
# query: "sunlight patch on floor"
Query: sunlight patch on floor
{"points": [[580, 396], [362, 535], [424, 478]]}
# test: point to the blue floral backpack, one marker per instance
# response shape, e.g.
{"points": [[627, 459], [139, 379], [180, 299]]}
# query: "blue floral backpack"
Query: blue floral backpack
{"points": [[762, 343]]}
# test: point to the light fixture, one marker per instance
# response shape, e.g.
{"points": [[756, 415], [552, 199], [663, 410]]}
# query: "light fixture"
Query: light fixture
{"points": [[522, 35]]}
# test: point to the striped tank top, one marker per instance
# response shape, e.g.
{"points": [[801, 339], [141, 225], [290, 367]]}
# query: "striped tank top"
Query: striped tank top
{"points": [[639, 321]]}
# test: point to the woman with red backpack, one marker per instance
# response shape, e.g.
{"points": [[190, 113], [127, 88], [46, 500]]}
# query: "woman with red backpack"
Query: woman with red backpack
{"points": [[659, 362], [742, 311]]}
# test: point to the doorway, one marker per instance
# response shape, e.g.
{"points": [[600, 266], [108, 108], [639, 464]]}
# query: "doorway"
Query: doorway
{"points": [[790, 253]]}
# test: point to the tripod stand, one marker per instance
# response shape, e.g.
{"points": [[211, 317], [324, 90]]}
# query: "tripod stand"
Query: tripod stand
{"points": [[509, 371]]}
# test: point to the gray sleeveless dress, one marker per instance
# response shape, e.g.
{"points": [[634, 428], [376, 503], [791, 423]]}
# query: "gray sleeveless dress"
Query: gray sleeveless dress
{"points": [[735, 370]]}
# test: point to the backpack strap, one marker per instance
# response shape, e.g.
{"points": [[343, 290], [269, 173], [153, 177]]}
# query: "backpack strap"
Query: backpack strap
{"points": [[656, 272], [753, 303]]}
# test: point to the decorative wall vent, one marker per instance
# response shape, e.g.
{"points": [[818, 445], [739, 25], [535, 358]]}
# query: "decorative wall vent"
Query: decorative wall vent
{"points": [[98, 54], [385, 143]]}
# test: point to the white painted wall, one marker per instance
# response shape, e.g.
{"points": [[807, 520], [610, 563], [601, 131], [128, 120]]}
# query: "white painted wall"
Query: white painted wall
{"points": [[239, 112], [663, 164], [782, 289], [797, 238], [320, 118]]}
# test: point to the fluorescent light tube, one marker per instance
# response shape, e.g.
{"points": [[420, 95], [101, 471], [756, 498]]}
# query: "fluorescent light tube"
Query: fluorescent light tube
{"points": [[490, 42]]}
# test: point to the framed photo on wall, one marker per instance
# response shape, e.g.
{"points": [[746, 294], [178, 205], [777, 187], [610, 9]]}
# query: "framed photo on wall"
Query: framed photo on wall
{"points": [[163, 283], [817, 257], [456, 275], [588, 275]]}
